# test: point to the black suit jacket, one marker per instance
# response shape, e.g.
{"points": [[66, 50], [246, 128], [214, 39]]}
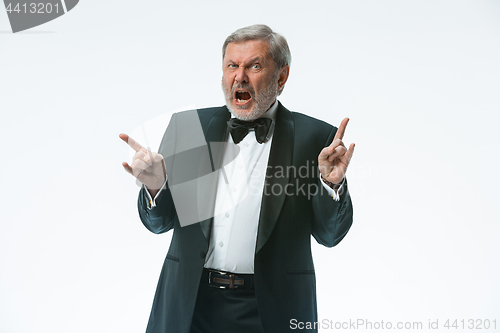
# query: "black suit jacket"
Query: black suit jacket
{"points": [[285, 284]]}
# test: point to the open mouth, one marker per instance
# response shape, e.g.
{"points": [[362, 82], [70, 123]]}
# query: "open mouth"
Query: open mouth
{"points": [[242, 96]]}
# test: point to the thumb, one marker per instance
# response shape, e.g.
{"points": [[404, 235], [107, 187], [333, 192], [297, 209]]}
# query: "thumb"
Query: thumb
{"points": [[127, 168]]}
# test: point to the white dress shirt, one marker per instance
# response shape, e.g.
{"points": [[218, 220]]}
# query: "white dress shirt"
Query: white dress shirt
{"points": [[237, 204]]}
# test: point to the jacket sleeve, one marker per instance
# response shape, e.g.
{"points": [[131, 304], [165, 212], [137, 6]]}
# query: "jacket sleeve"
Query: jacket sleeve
{"points": [[157, 219], [161, 218], [332, 219]]}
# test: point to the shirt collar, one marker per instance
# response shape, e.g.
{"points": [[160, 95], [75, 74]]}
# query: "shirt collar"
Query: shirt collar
{"points": [[271, 113]]}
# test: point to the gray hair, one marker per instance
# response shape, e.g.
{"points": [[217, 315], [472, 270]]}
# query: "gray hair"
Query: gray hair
{"points": [[278, 47]]}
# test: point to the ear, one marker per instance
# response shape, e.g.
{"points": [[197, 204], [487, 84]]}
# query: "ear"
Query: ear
{"points": [[283, 76]]}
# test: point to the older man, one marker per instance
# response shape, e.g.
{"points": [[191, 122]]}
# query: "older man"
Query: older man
{"points": [[248, 266]]}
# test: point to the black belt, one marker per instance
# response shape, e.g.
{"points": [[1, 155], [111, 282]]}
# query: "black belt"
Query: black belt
{"points": [[227, 280]]}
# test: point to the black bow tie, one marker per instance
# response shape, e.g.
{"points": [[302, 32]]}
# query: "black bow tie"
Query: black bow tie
{"points": [[239, 128]]}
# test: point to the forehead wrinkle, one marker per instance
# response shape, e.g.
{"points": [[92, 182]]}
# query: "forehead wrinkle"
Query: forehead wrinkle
{"points": [[248, 52], [258, 59]]}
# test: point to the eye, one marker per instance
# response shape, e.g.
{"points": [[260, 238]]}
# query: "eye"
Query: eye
{"points": [[231, 66], [256, 66]]}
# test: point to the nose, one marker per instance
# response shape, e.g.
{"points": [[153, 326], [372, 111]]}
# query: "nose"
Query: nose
{"points": [[241, 75]]}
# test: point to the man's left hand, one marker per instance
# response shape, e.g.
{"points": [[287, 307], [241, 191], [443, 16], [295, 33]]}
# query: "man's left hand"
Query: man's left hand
{"points": [[334, 159]]}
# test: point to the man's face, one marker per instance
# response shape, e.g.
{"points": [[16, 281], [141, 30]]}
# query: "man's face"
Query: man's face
{"points": [[250, 79]]}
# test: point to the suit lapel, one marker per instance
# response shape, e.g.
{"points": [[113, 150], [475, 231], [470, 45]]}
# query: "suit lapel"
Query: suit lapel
{"points": [[279, 157], [215, 133]]}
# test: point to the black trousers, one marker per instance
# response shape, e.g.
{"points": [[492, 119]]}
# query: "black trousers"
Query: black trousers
{"points": [[225, 310]]}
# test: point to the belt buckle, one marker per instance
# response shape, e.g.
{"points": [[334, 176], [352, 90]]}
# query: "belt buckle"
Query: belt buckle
{"points": [[231, 280]]}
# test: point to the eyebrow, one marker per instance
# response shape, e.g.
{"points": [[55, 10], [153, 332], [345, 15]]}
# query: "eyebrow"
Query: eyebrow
{"points": [[254, 60], [251, 61]]}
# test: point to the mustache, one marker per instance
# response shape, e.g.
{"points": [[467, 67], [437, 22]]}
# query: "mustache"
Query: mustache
{"points": [[245, 86]]}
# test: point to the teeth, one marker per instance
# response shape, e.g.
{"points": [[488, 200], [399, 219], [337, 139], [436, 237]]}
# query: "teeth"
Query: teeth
{"points": [[242, 100]]}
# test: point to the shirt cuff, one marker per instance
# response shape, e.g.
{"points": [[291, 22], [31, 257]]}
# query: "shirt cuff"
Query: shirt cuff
{"points": [[151, 202], [334, 193]]}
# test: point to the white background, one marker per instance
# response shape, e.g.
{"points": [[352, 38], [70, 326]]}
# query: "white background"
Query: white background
{"points": [[420, 81]]}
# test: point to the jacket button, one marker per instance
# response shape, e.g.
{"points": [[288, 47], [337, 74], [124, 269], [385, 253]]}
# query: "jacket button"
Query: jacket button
{"points": [[202, 255]]}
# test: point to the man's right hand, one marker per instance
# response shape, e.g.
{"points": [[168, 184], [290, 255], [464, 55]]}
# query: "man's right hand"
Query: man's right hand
{"points": [[148, 167]]}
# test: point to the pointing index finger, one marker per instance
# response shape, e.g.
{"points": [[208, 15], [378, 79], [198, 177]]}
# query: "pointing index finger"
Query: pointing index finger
{"points": [[341, 130], [131, 142]]}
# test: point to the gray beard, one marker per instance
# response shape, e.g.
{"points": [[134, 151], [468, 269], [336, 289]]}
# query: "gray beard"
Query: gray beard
{"points": [[262, 101]]}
